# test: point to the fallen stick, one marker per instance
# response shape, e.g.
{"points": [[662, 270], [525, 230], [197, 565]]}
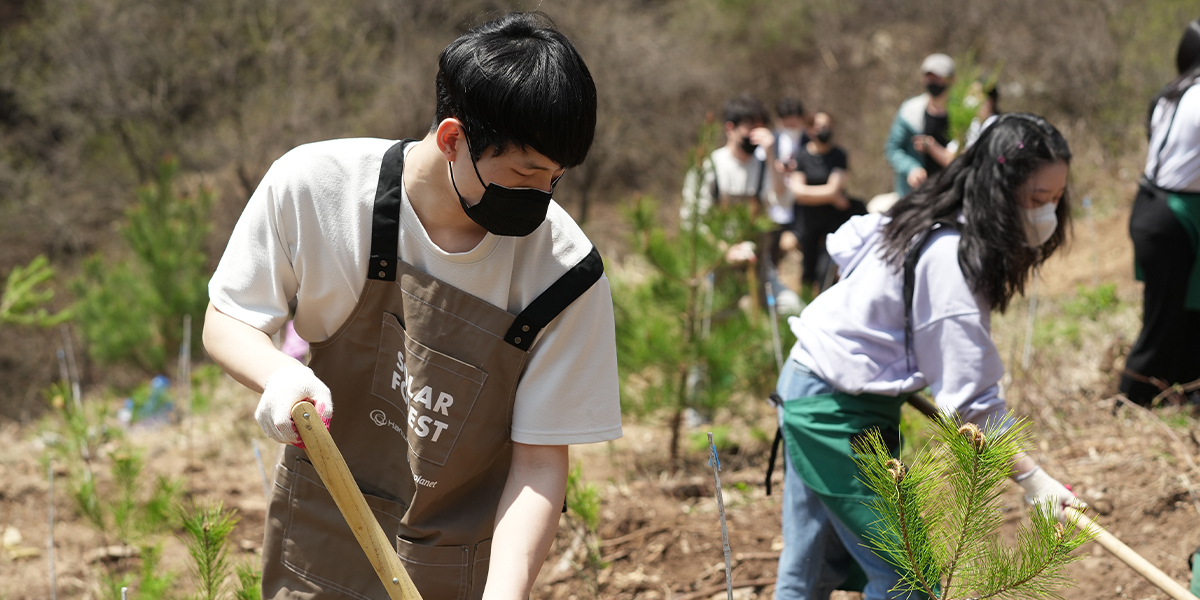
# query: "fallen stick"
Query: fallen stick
{"points": [[1128, 556], [716, 589]]}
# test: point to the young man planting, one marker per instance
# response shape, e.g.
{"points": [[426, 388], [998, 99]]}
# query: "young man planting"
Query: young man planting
{"points": [[460, 323]]}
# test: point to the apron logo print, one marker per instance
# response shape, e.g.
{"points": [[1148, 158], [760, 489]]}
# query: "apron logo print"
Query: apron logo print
{"points": [[421, 425], [379, 418], [424, 482]]}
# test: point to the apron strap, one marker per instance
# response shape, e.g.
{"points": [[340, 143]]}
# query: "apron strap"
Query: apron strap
{"points": [[385, 219], [777, 402], [554, 300]]}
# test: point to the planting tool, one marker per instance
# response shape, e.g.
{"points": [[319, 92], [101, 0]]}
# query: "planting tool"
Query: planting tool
{"points": [[1135, 561], [330, 465]]}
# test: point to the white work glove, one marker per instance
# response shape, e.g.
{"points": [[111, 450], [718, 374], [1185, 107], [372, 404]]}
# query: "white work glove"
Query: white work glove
{"points": [[1040, 487], [283, 389]]}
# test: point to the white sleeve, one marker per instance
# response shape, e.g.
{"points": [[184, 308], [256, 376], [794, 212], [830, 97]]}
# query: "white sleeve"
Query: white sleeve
{"points": [[569, 393], [961, 366], [254, 280]]}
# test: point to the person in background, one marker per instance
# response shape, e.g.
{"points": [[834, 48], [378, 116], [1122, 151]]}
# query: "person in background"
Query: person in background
{"points": [[918, 144], [818, 188], [792, 132], [1165, 227], [968, 242], [743, 171], [736, 172], [986, 114], [790, 136]]}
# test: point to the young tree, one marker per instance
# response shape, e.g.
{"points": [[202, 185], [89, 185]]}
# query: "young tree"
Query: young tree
{"points": [[682, 339], [938, 517]]}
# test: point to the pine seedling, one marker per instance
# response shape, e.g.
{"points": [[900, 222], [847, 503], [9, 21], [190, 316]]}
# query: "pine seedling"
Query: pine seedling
{"points": [[938, 517], [148, 583], [583, 501], [249, 582], [207, 529], [25, 296]]}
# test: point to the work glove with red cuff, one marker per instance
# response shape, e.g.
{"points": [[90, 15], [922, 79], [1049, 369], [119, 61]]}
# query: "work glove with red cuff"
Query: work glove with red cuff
{"points": [[283, 389], [1041, 487]]}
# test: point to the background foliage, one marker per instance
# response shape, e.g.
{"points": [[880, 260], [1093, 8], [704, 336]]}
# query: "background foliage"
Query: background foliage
{"points": [[93, 93]]}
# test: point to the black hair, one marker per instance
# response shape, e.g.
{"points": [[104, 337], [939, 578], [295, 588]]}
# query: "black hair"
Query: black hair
{"points": [[745, 107], [982, 184], [517, 80], [1187, 56], [789, 107]]}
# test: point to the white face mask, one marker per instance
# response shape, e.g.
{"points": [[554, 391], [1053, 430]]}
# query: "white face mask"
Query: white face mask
{"points": [[794, 134], [1040, 223]]}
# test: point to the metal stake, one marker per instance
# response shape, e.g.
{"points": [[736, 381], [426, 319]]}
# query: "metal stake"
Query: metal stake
{"points": [[261, 469], [1033, 298], [773, 313], [50, 534], [1091, 224], [716, 465]]}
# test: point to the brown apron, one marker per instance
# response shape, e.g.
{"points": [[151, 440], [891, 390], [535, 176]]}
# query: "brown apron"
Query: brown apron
{"points": [[423, 377]]}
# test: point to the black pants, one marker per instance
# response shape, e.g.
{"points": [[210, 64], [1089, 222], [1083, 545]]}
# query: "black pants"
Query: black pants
{"points": [[1169, 346]]}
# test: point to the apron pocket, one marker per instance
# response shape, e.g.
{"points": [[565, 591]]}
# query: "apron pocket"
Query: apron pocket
{"points": [[318, 544], [430, 394], [479, 567], [438, 571]]}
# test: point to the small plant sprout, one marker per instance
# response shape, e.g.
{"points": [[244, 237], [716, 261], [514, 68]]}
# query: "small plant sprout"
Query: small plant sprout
{"points": [[938, 516], [207, 529]]}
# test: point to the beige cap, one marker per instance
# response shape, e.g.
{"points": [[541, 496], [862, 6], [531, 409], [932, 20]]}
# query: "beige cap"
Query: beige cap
{"points": [[939, 64]]}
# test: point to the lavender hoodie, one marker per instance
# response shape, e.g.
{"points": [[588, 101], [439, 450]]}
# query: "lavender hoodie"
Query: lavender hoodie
{"points": [[852, 335]]}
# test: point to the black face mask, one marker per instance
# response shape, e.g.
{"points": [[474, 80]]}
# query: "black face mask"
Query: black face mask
{"points": [[515, 212], [748, 146], [935, 89], [824, 135]]}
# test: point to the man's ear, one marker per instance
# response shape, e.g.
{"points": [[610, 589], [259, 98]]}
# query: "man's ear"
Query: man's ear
{"points": [[450, 138]]}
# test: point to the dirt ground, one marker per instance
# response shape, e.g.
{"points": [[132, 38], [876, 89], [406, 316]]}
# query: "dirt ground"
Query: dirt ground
{"points": [[659, 536]]}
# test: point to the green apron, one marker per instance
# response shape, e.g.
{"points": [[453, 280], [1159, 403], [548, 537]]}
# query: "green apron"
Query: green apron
{"points": [[818, 431], [1186, 207]]}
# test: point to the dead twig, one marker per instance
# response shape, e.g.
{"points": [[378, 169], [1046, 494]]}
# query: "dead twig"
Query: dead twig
{"points": [[709, 591], [645, 532], [1148, 414]]}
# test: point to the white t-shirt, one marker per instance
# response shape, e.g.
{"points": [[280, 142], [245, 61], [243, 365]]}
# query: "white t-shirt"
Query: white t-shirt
{"points": [[1180, 170], [306, 234], [733, 178]]}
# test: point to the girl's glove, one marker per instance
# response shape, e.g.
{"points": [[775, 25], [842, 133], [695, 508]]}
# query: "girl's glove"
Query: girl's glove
{"points": [[283, 389], [1040, 488]]}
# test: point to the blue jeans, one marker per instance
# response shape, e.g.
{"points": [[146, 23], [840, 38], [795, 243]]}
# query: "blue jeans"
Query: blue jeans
{"points": [[817, 547]]}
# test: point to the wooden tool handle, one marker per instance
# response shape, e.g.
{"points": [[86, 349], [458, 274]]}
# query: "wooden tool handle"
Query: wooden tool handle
{"points": [[1129, 557], [336, 476]]}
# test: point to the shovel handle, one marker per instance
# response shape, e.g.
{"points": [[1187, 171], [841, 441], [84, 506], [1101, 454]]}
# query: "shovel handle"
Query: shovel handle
{"points": [[336, 476], [1128, 556]]}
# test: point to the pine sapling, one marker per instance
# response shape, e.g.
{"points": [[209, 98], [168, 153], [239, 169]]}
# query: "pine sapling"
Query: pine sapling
{"points": [[208, 528], [938, 517]]}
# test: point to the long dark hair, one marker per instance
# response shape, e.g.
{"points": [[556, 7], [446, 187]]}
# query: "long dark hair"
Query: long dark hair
{"points": [[982, 185], [1187, 62]]}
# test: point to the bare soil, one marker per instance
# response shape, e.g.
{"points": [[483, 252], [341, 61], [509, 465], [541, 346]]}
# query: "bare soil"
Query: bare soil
{"points": [[659, 536]]}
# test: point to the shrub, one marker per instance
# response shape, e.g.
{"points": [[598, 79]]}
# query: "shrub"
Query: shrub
{"points": [[131, 310]]}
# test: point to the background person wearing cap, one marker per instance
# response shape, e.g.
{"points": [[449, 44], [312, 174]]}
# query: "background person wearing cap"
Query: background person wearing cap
{"points": [[918, 144]]}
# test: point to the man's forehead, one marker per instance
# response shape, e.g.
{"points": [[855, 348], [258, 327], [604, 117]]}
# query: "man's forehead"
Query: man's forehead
{"points": [[528, 158]]}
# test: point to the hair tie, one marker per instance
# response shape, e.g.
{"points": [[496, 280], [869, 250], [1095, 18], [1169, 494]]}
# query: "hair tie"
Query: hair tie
{"points": [[1000, 159]]}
